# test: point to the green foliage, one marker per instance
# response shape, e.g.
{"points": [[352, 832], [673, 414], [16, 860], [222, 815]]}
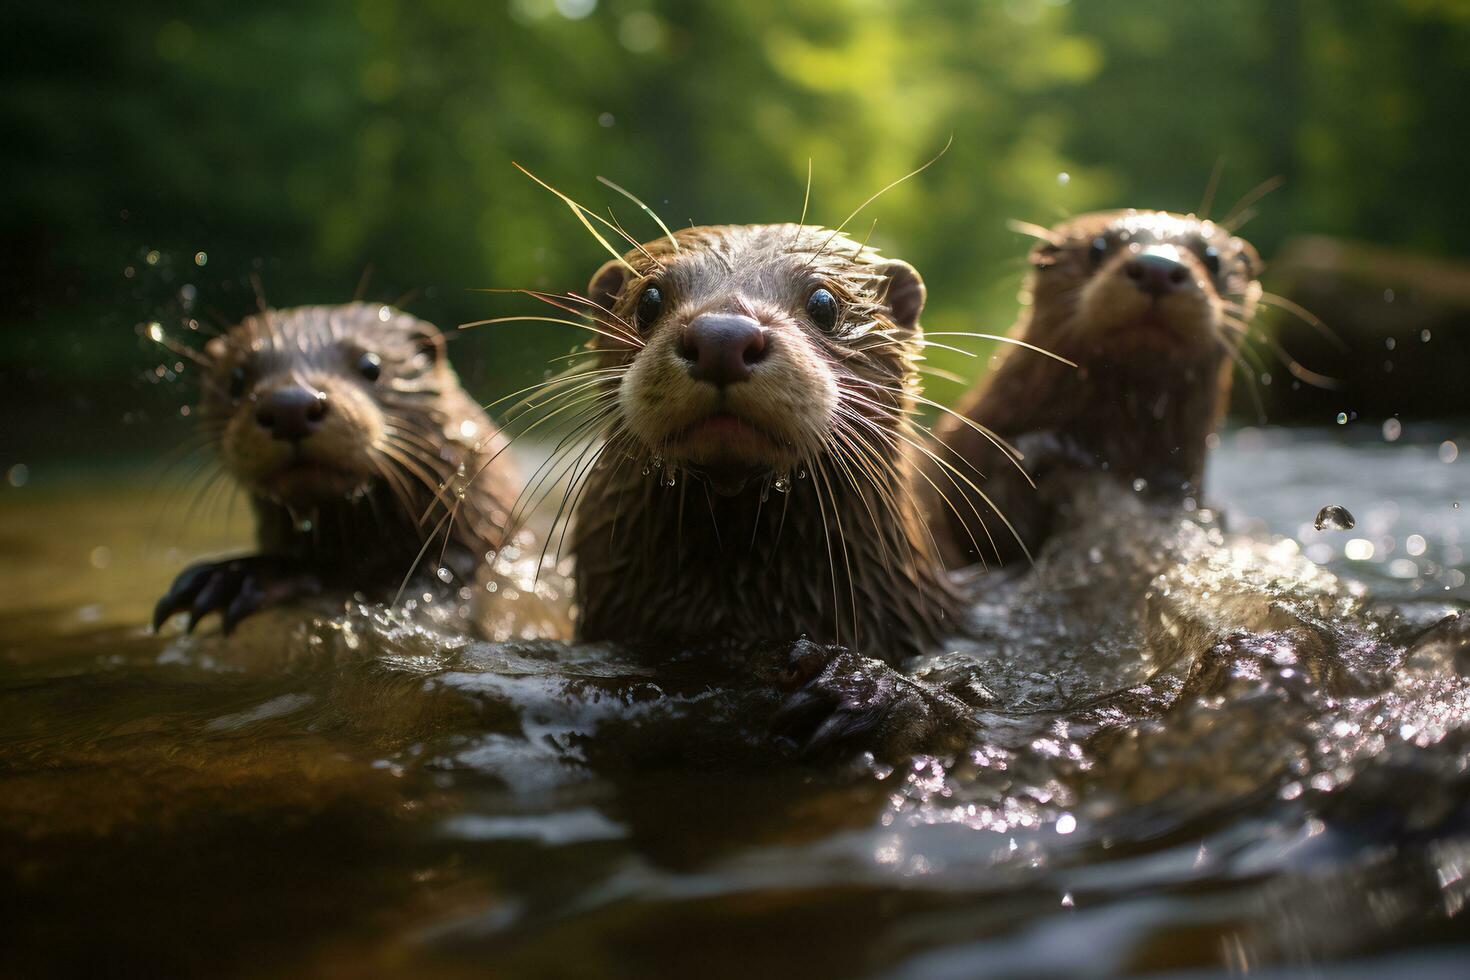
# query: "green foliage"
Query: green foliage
{"points": [[306, 141]]}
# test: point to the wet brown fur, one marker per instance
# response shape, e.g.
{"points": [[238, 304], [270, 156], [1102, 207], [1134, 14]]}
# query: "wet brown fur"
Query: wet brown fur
{"points": [[1145, 395], [675, 544], [393, 457]]}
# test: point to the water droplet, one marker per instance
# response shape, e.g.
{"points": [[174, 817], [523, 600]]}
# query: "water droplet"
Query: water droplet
{"points": [[1342, 418], [1390, 343], [1424, 336], [1415, 544], [1067, 900], [1334, 517], [657, 461], [384, 313], [1392, 429], [152, 257], [201, 259], [445, 575], [1448, 452], [1358, 549], [782, 483], [1140, 485], [669, 477], [1064, 178], [1066, 823], [155, 332], [801, 473]]}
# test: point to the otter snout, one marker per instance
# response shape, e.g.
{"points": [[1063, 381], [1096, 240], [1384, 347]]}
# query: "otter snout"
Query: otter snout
{"points": [[1158, 272], [292, 413], [722, 348]]}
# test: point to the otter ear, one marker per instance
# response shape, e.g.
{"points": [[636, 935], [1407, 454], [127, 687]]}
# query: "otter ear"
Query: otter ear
{"points": [[609, 281], [429, 343], [905, 293]]}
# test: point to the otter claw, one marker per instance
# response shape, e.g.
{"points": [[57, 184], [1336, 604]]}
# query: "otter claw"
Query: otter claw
{"points": [[853, 703], [234, 588]]}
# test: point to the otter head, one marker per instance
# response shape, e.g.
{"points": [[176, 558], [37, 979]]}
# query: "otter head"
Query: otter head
{"points": [[750, 350], [314, 404], [1119, 285]]}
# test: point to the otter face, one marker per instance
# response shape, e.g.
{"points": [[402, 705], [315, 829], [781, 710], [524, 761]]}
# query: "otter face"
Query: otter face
{"points": [[1135, 282], [747, 350], [306, 405]]}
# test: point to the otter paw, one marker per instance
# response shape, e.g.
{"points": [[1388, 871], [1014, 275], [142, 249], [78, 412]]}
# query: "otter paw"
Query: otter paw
{"points": [[235, 588], [848, 703]]}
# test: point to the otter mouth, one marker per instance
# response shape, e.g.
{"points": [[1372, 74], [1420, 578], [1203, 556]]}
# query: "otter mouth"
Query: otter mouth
{"points": [[302, 479], [725, 436]]}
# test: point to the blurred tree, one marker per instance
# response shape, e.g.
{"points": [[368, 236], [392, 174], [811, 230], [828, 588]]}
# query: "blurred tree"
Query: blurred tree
{"points": [[191, 144]]}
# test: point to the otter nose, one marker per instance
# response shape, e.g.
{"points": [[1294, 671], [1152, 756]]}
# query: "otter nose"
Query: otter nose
{"points": [[721, 348], [292, 413], [1157, 273]]}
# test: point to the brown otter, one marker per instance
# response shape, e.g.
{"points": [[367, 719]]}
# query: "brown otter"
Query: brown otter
{"points": [[755, 389], [1150, 306], [346, 425]]}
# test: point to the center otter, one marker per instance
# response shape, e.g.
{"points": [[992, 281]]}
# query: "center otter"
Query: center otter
{"points": [[756, 383]]}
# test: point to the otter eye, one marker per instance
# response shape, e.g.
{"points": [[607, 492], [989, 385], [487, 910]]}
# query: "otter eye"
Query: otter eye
{"points": [[821, 306], [1212, 260], [1097, 250], [650, 305], [237, 382], [370, 366]]}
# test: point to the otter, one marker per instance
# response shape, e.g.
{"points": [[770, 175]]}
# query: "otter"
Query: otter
{"points": [[350, 432], [1150, 306], [756, 483]]}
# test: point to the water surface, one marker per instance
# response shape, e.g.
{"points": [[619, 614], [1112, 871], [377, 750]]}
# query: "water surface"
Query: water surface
{"points": [[1215, 742]]}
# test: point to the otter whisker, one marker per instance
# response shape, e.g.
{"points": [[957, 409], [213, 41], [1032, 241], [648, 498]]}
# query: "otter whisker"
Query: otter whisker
{"points": [[570, 375], [831, 561], [1292, 365], [856, 211], [838, 454], [1235, 219], [582, 213], [575, 485], [539, 478], [646, 210], [1305, 315], [1030, 230], [428, 541], [1210, 186], [1002, 339], [941, 374], [555, 299], [619, 338], [953, 473], [1252, 386]]}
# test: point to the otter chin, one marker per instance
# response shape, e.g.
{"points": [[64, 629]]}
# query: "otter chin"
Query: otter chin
{"points": [[1150, 306]]}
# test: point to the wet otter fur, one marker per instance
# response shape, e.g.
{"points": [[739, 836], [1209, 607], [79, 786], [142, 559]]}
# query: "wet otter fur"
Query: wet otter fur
{"points": [[754, 387], [761, 453], [346, 425], [1150, 305]]}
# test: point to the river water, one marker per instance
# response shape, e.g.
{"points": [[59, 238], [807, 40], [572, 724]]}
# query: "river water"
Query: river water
{"points": [[1216, 742]]}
